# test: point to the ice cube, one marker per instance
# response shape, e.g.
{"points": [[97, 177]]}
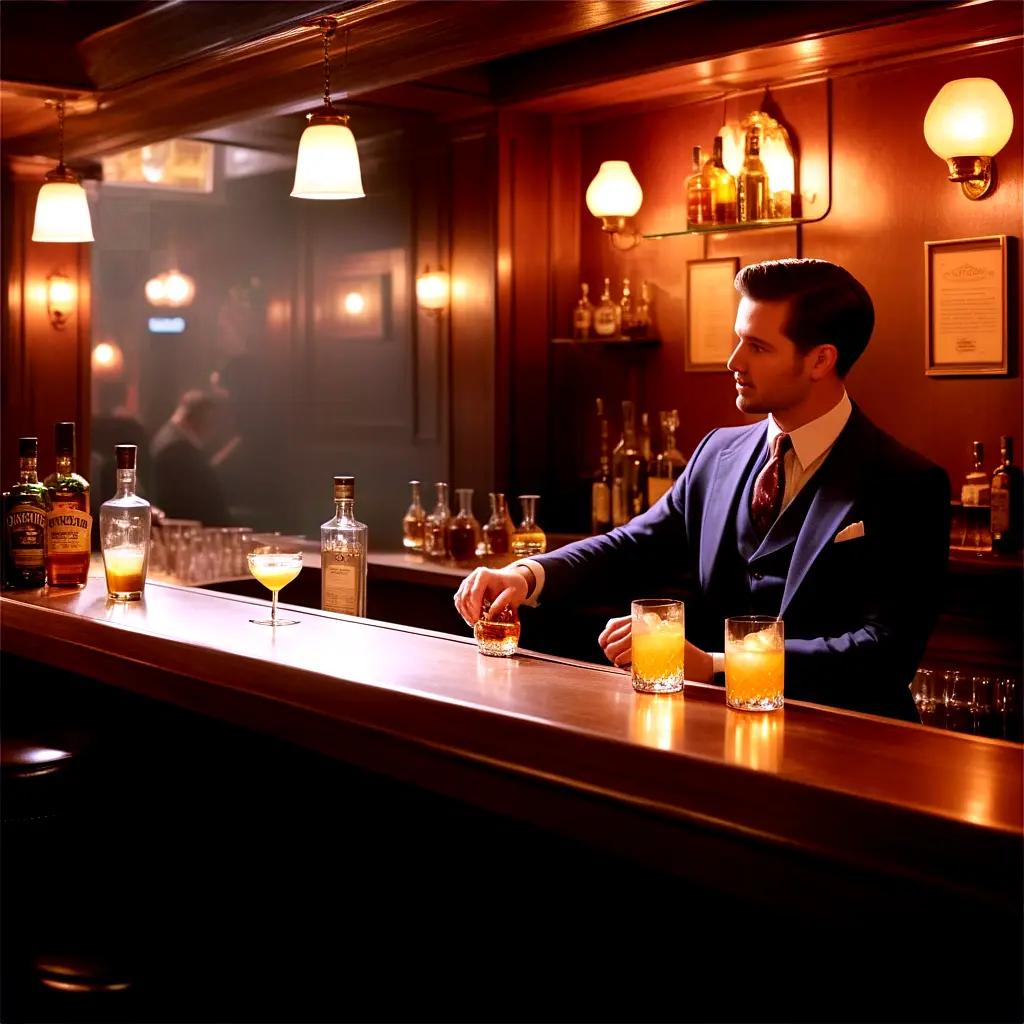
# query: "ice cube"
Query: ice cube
{"points": [[652, 620]]}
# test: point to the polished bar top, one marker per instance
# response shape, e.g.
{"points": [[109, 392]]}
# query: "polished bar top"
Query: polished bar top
{"points": [[862, 790]]}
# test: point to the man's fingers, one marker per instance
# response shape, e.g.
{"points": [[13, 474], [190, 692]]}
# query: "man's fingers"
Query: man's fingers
{"points": [[613, 630], [501, 602], [620, 652]]}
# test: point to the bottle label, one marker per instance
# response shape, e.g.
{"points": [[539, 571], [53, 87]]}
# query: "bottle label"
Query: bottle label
{"points": [[68, 531], [26, 536], [340, 585], [605, 321], [1000, 509]]}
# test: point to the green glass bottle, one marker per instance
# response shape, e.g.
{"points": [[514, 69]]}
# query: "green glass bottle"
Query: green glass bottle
{"points": [[26, 507]]}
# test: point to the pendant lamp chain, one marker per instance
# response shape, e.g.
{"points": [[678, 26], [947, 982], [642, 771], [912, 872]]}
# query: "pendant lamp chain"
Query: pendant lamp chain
{"points": [[327, 27], [60, 129]]}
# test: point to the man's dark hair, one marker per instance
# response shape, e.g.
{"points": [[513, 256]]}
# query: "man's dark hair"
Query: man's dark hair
{"points": [[827, 304]]}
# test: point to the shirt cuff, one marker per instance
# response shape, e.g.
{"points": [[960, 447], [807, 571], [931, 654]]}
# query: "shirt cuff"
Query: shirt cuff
{"points": [[538, 574], [717, 662]]}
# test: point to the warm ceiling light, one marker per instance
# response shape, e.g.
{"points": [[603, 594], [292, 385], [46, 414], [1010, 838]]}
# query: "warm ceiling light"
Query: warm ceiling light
{"points": [[60, 300], [354, 304], [327, 166], [968, 122], [433, 289], [107, 359], [615, 197], [62, 208], [171, 288]]}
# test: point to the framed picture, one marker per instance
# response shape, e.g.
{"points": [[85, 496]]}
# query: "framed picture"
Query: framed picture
{"points": [[711, 302], [965, 307]]}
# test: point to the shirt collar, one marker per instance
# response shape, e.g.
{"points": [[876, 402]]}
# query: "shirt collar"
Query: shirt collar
{"points": [[813, 439]]}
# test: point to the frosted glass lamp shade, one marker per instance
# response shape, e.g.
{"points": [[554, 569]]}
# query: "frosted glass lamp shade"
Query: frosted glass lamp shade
{"points": [[614, 192], [62, 213], [328, 162], [968, 117]]}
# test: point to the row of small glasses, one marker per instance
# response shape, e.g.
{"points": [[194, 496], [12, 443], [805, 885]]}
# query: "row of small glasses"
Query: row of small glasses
{"points": [[980, 704], [189, 552]]}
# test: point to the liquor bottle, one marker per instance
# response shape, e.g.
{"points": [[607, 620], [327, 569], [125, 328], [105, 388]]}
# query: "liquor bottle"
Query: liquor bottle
{"points": [[26, 506], [601, 489], [69, 524], [721, 186], [642, 316], [125, 521], [343, 549], [529, 538], [629, 472], [976, 497], [669, 463], [1007, 496], [498, 529], [698, 195], [752, 184], [463, 529], [627, 314], [583, 313], [414, 521], [644, 441], [435, 536], [605, 316]]}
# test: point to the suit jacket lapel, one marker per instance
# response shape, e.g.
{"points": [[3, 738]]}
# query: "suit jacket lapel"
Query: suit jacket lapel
{"points": [[726, 488]]}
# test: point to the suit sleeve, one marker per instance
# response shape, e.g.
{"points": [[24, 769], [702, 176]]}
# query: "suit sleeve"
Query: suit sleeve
{"points": [[637, 555], [869, 666]]}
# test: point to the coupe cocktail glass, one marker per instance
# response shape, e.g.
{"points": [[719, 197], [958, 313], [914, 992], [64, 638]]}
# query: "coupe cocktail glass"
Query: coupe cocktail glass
{"points": [[754, 662], [275, 566], [659, 643]]}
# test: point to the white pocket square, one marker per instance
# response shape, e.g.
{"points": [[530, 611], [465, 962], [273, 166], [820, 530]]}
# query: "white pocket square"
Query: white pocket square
{"points": [[851, 532]]}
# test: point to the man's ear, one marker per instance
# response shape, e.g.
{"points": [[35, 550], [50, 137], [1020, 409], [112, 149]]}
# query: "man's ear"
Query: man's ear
{"points": [[823, 360]]}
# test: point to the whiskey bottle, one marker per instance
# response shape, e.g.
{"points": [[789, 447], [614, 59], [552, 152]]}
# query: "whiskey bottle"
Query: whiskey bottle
{"points": [[343, 549], [435, 535], [498, 529], [463, 529], [752, 184], [601, 489], [642, 317], [583, 313], [125, 523], [68, 524], [605, 316], [627, 314], [720, 185], [26, 506], [698, 195], [414, 521], [976, 497], [529, 538], [1007, 495]]}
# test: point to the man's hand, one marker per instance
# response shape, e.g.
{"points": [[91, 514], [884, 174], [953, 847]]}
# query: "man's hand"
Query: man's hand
{"points": [[616, 641], [699, 664], [501, 587]]}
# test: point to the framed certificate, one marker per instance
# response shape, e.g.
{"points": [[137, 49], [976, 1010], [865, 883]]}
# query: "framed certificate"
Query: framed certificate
{"points": [[711, 302], [965, 307]]}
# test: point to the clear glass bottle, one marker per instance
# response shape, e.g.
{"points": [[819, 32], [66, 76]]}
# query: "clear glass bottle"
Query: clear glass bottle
{"points": [[629, 472], [605, 315], [601, 488], [498, 529], [125, 531], [669, 463], [976, 497], [69, 524], [26, 506], [583, 313], [463, 529], [627, 312], [721, 186], [1007, 495], [698, 195], [642, 316], [343, 549], [414, 521], [529, 538], [435, 536], [753, 197]]}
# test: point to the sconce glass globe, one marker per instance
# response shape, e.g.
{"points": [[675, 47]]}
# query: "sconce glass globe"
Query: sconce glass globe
{"points": [[614, 192], [968, 117]]}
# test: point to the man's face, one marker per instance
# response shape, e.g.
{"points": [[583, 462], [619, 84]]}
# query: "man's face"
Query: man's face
{"points": [[769, 371]]}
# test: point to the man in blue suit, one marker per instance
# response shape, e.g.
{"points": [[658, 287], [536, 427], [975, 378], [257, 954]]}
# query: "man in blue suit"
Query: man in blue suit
{"points": [[813, 514]]}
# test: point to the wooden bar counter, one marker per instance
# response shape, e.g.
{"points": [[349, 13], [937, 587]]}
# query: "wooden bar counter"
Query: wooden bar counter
{"points": [[808, 812]]}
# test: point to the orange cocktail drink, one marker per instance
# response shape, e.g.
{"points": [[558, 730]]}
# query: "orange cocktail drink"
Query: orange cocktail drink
{"points": [[659, 643], [754, 663]]}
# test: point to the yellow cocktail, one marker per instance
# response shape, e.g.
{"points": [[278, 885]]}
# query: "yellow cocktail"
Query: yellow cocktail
{"points": [[754, 663], [659, 644], [275, 567]]}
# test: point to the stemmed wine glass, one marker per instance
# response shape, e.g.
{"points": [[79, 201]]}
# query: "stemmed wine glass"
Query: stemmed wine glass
{"points": [[275, 566]]}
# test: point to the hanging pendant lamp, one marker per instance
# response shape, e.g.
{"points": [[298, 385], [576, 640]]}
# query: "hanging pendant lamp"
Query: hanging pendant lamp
{"points": [[62, 208], [327, 166]]}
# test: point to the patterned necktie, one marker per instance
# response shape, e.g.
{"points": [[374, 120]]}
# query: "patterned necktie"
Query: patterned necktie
{"points": [[769, 487]]}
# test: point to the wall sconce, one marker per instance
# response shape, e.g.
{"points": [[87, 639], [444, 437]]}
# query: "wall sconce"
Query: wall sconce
{"points": [[327, 166], [615, 197], [968, 122], [433, 291], [62, 208], [171, 288], [60, 300], [107, 360]]}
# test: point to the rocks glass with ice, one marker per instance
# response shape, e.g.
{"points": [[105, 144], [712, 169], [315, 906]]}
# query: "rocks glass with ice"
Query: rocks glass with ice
{"points": [[754, 662], [659, 641]]}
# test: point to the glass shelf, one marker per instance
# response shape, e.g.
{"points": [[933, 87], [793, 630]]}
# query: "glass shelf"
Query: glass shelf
{"points": [[620, 343], [723, 229]]}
